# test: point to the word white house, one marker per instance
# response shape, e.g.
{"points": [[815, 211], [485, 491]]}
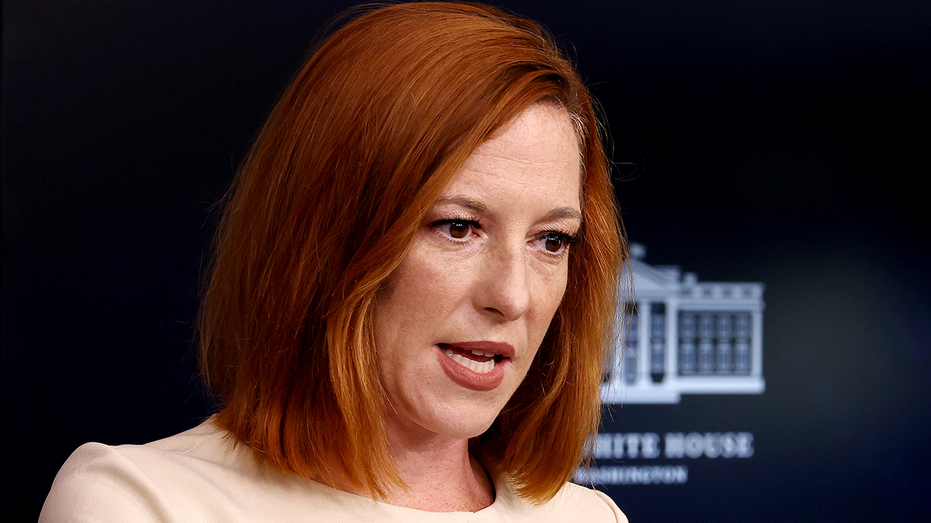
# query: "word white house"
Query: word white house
{"points": [[685, 337]]}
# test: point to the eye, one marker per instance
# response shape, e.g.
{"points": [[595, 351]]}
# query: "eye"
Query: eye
{"points": [[556, 243], [457, 229], [553, 242]]}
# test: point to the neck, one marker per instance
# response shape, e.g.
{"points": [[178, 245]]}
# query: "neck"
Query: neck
{"points": [[441, 473]]}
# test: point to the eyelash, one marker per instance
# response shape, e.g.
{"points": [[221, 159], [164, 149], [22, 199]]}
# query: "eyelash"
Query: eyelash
{"points": [[567, 241], [566, 238], [472, 224]]}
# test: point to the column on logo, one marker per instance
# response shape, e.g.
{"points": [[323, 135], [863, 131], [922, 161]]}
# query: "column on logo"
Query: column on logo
{"points": [[631, 345]]}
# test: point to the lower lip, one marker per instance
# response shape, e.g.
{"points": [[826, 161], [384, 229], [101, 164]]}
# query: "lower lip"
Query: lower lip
{"points": [[468, 378]]}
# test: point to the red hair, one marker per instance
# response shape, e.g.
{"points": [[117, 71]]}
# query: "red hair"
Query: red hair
{"points": [[324, 208]]}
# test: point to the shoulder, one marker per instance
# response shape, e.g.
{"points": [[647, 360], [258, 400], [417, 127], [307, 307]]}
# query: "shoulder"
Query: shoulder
{"points": [[100, 483], [591, 504], [571, 503], [129, 482], [198, 475]]}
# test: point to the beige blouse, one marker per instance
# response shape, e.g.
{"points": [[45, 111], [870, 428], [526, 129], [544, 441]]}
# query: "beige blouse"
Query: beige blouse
{"points": [[200, 476]]}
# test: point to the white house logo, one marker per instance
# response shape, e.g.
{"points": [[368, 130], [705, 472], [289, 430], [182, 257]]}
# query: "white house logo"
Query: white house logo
{"points": [[686, 337]]}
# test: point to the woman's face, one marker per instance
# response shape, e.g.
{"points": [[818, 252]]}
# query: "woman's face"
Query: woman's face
{"points": [[460, 321]]}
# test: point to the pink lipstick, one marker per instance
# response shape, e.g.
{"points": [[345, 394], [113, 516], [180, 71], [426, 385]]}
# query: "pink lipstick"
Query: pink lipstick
{"points": [[475, 365]]}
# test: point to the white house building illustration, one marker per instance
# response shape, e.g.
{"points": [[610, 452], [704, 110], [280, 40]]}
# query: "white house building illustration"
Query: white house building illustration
{"points": [[685, 337]]}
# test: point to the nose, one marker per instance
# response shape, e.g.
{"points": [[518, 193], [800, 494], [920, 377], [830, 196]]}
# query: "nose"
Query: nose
{"points": [[504, 289]]}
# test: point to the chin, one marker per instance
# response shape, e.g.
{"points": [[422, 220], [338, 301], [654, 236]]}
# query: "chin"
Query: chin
{"points": [[473, 430], [462, 423]]}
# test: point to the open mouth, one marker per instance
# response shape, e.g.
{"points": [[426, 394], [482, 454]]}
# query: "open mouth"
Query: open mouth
{"points": [[476, 365], [477, 360]]}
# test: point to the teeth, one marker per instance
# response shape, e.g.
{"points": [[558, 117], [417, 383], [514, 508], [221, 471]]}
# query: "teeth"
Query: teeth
{"points": [[477, 366], [483, 353]]}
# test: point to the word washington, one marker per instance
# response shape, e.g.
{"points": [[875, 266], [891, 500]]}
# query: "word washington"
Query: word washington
{"points": [[676, 475]]}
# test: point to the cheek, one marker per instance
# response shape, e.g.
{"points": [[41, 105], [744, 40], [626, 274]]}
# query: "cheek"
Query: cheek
{"points": [[419, 290], [415, 297], [553, 290]]}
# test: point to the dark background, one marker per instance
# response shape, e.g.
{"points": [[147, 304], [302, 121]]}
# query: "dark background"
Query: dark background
{"points": [[784, 142]]}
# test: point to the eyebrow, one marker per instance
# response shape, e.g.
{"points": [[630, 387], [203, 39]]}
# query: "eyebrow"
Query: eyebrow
{"points": [[563, 212], [479, 207], [464, 201]]}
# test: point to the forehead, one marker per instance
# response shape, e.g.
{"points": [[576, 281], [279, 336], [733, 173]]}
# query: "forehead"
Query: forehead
{"points": [[545, 125], [539, 148]]}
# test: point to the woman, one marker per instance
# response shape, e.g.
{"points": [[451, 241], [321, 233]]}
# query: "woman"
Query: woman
{"points": [[412, 288]]}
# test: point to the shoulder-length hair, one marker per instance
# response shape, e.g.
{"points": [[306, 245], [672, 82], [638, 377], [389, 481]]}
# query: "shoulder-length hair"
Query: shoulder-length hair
{"points": [[325, 207]]}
